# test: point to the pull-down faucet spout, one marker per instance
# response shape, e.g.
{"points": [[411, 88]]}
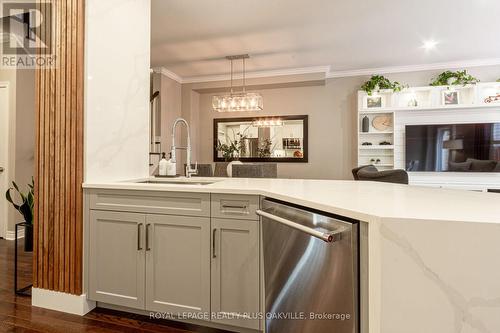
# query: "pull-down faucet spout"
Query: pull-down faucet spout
{"points": [[189, 170]]}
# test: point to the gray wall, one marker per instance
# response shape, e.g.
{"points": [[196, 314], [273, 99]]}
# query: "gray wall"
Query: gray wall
{"points": [[332, 110], [170, 106]]}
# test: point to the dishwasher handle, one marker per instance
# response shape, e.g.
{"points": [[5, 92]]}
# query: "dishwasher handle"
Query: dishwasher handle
{"points": [[328, 237]]}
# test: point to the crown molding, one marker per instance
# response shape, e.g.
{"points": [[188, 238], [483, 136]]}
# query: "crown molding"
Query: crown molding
{"points": [[249, 75], [331, 74], [259, 74], [415, 68], [167, 73]]}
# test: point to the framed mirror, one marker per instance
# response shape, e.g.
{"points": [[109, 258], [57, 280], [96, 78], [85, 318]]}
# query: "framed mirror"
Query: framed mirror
{"points": [[261, 139]]}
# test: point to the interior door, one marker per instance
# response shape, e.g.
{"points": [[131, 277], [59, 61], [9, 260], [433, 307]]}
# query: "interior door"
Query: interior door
{"points": [[4, 155], [178, 264]]}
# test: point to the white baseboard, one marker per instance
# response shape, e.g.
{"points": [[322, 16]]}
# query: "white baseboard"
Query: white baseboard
{"points": [[11, 235], [63, 302]]}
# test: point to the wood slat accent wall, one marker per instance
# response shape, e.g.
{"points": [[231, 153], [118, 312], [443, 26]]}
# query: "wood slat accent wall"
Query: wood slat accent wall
{"points": [[58, 221]]}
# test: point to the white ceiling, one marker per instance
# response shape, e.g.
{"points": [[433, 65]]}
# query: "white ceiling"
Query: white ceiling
{"points": [[192, 37]]}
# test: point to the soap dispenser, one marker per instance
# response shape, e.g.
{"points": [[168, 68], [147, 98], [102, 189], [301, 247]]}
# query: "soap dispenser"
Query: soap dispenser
{"points": [[171, 167], [163, 165]]}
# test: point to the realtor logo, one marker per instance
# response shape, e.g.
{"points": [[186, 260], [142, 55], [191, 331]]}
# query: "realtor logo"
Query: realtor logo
{"points": [[25, 30]]}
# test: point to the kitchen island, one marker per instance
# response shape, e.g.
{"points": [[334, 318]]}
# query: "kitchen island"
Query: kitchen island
{"points": [[427, 255]]}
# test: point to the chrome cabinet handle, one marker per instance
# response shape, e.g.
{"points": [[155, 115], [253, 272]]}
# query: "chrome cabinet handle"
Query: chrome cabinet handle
{"points": [[234, 207], [147, 237], [139, 226], [328, 237], [214, 233]]}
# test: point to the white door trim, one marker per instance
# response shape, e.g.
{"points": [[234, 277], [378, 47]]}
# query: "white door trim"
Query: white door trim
{"points": [[4, 176]]}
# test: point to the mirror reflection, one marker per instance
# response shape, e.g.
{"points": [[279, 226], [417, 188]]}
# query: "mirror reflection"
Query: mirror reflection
{"points": [[279, 138]]}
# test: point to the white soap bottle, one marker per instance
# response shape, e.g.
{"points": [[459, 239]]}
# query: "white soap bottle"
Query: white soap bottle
{"points": [[171, 167], [163, 165]]}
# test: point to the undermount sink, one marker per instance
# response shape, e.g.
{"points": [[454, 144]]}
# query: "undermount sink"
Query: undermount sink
{"points": [[177, 182]]}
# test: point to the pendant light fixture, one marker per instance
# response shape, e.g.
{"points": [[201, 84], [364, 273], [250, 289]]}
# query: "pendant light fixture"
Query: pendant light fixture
{"points": [[238, 101]]}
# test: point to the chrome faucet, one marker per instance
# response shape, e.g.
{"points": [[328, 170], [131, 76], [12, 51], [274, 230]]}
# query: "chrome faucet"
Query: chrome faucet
{"points": [[189, 171]]}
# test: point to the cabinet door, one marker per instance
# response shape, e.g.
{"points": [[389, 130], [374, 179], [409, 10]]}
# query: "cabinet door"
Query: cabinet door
{"points": [[178, 264], [235, 272], [116, 258]]}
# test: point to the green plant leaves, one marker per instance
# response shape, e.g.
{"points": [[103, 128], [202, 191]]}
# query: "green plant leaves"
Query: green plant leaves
{"points": [[378, 82], [454, 78], [27, 201]]}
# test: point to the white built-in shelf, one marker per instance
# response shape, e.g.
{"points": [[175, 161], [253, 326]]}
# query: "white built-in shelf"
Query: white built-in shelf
{"points": [[471, 101], [428, 108], [430, 98], [376, 147], [373, 133], [382, 164], [376, 111]]}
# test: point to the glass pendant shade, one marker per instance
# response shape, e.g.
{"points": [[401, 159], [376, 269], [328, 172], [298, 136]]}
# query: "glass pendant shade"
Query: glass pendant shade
{"points": [[238, 102]]}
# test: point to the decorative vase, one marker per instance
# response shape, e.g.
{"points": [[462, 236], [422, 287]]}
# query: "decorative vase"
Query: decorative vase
{"points": [[28, 238], [365, 126]]}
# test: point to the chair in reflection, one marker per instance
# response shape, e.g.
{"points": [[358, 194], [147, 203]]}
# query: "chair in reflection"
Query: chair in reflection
{"points": [[255, 170]]}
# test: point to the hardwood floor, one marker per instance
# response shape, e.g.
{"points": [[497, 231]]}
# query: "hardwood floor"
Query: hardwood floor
{"points": [[17, 314]]}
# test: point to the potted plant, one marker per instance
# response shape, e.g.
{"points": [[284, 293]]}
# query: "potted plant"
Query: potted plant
{"points": [[378, 82], [26, 210], [449, 78]]}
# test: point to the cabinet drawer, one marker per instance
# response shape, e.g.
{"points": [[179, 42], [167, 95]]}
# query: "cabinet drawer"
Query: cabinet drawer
{"points": [[235, 206], [173, 203]]}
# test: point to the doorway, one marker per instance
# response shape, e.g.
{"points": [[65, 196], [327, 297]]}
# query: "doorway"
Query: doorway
{"points": [[4, 155]]}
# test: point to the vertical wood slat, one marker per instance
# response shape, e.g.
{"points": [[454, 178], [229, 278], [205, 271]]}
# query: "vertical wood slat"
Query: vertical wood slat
{"points": [[59, 152]]}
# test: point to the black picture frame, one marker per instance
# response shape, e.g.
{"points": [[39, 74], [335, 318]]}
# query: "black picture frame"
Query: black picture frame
{"points": [[305, 124]]}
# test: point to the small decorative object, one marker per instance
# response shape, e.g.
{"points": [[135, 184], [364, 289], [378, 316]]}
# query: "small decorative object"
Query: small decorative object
{"points": [[26, 210], [413, 102], [378, 82], [366, 144], [449, 78], [493, 99], [365, 126], [385, 143], [374, 101], [450, 97], [382, 123]]}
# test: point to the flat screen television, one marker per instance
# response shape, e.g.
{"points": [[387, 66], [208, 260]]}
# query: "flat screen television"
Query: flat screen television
{"points": [[453, 147]]}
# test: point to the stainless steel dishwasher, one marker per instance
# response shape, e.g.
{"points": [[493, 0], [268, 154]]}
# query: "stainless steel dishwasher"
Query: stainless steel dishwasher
{"points": [[311, 262]]}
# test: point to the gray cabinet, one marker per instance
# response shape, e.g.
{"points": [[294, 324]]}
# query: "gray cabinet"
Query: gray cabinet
{"points": [[235, 272], [116, 258], [162, 251], [178, 263]]}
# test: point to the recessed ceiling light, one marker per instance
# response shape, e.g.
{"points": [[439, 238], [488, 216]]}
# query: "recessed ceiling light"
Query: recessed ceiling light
{"points": [[429, 44]]}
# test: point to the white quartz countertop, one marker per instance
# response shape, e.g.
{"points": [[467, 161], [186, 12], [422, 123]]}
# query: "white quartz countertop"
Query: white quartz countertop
{"points": [[366, 201]]}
